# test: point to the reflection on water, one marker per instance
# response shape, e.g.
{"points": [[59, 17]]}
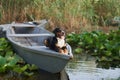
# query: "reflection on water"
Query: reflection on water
{"points": [[86, 70]]}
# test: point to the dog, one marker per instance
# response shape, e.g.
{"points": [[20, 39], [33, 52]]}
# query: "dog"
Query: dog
{"points": [[57, 42]]}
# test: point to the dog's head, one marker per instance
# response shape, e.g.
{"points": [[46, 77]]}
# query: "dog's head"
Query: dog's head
{"points": [[59, 33]]}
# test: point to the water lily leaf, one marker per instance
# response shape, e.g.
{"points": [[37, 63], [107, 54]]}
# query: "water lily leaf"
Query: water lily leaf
{"points": [[2, 61], [78, 50], [32, 67], [116, 57], [24, 68], [80, 43], [94, 35], [103, 58], [108, 53], [28, 73], [102, 46], [9, 53], [3, 44], [108, 46], [13, 60], [2, 69], [19, 69], [90, 40]]}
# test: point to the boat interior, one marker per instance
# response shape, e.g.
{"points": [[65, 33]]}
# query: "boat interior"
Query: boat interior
{"points": [[29, 36]]}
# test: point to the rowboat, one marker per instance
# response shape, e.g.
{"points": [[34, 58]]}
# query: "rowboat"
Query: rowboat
{"points": [[28, 42]]}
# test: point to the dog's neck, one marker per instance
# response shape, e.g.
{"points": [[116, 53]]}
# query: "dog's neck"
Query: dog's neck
{"points": [[61, 42]]}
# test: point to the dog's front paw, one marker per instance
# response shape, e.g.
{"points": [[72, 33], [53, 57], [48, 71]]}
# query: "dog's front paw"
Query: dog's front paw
{"points": [[46, 43], [61, 51], [66, 51]]}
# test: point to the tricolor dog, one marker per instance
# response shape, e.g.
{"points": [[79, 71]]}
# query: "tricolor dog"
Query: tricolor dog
{"points": [[58, 42]]}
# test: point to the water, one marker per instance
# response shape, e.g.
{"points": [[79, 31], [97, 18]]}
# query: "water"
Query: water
{"points": [[80, 68], [86, 70]]}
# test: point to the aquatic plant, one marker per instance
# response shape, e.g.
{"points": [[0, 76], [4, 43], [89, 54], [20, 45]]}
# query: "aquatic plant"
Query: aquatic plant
{"points": [[9, 61], [104, 46]]}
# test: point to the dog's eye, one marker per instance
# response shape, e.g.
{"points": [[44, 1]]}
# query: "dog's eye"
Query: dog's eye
{"points": [[63, 33]]}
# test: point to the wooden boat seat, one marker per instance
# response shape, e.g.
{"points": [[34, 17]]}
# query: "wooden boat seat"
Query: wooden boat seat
{"points": [[22, 25], [28, 35]]}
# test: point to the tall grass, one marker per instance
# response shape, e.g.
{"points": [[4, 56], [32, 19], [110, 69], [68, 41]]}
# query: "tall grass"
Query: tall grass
{"points": [[12, 10], [73, 15]]}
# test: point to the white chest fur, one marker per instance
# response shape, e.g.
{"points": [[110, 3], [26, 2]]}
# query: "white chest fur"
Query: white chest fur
{"points": [[61, 42]]}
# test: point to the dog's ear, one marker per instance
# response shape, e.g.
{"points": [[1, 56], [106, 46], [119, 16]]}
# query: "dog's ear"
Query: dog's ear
{"points": [[56, 30]]}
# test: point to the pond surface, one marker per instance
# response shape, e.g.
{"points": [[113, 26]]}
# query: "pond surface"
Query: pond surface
{"points": [[84, 69]]}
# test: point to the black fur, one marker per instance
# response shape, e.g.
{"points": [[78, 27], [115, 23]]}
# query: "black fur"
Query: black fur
{"points": [[51, 41]]}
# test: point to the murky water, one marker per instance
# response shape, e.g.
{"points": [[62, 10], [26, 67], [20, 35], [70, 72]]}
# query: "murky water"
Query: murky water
{"points": [[86, 70]]}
